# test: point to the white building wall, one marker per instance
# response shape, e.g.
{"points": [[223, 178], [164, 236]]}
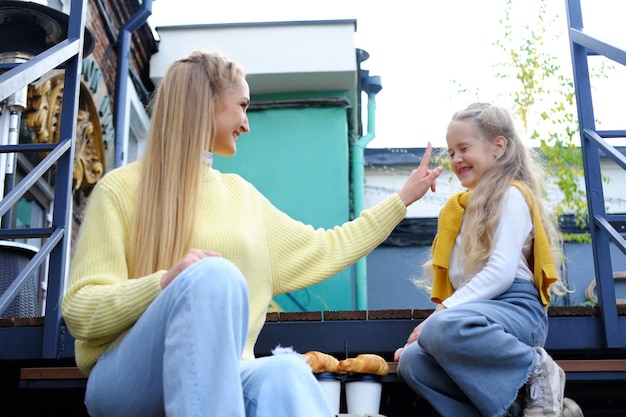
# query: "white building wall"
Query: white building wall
{"points": [[382, 181], [277, 56]]}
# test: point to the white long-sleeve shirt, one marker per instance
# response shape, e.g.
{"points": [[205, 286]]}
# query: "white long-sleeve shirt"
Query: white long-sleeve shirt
{"points": [[509, 259]]}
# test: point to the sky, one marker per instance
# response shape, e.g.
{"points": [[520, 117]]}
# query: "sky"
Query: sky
{"points": [[424, 54]]}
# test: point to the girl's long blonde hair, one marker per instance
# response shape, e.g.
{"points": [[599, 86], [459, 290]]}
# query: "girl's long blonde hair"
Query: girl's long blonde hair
{"points": [[182, 128], [517, 163]]}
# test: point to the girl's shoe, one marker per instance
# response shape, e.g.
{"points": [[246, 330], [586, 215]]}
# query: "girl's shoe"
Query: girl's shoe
{"points": [[545, 388]]}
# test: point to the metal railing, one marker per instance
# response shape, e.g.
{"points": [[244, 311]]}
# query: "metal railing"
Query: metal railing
{"points": [[66, 54], [603, 227]]}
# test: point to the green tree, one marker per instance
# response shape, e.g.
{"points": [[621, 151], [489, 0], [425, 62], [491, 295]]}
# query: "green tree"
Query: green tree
{"points": [[543, 100], [545, 103]]}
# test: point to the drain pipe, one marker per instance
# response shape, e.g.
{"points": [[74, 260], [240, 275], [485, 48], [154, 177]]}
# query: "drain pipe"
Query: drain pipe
{"points": [[371, 85], [121, 82]]}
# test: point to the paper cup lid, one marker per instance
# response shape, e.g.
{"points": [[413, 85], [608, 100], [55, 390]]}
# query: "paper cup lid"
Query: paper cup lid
{"points": [[364, 378], [326, 376]]}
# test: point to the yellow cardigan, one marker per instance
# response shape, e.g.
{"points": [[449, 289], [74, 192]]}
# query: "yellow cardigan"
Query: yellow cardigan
{"points": [[449, 225], [276, 253]]}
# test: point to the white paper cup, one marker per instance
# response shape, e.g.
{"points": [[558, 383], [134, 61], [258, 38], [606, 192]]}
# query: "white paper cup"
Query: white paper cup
{"points": [[331, 386], [363, 394]]}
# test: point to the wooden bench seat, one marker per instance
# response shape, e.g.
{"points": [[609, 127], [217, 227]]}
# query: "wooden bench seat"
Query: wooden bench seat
{"points": [[568, 365], [57, 372], [571, 365]]}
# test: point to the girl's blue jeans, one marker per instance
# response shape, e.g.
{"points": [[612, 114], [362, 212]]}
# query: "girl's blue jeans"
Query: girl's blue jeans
{"points": [[471, 360], [182, 358]]}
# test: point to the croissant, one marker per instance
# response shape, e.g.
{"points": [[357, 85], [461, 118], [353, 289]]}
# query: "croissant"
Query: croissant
{"points": [[366, 363], [320, 362]]}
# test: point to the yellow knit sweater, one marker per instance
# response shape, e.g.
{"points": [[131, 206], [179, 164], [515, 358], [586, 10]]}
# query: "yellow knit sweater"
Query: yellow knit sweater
{"points": [[275, 253], [448, 228]]}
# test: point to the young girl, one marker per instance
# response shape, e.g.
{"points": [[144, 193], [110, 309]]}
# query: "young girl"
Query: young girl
{"points": [[177, 263], [494, 262]]}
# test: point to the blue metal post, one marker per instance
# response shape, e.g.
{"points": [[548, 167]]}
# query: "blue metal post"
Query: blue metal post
{"points": [[121, 83], [583, 45], [53, 338]]}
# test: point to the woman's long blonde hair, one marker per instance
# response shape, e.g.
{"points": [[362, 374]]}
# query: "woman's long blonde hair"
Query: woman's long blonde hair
{"points": [[517, 163], [182, 128]]}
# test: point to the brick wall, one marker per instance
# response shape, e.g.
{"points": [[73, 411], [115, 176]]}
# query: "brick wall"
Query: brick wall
{"points": [[105, 19]]}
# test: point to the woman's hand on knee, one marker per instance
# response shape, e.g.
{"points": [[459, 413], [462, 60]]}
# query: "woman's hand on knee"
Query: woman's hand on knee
{"points": [[191, 257]]}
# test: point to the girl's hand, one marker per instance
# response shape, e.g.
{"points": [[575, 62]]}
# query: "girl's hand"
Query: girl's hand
{"points": [[412, 338], [396, 354], [192, 256], [420, 180], [415, 334]]}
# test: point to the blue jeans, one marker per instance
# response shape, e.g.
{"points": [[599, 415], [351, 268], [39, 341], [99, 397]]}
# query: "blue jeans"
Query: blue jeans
{"points": [[471, 360], [182, 358]]}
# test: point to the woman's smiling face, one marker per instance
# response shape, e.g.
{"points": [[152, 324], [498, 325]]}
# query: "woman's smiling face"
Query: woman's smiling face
{"points": [[231, 119]]}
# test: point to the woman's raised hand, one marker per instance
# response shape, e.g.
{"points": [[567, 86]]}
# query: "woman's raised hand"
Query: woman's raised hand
{"points": [[420, 180]]}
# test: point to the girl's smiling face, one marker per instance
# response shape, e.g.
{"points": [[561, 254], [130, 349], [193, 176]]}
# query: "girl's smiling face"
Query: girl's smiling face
{"points": [[471, 154]]}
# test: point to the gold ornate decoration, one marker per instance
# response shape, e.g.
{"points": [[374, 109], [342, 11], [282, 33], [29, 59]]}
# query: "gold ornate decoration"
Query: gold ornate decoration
{"points": [[43, 117]]}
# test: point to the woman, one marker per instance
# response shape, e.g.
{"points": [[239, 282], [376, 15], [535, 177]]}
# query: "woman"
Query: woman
{"points": [[176, 264]]}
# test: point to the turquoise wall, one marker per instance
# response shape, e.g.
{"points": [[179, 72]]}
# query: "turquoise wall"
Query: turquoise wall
{"points": [[299, 159]]}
